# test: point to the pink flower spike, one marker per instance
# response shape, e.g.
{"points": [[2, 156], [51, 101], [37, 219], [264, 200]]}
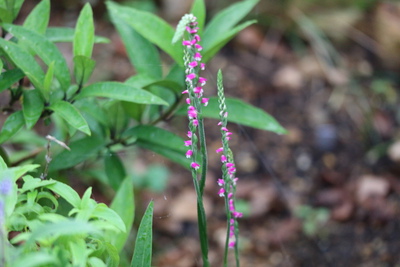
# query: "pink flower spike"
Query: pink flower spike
{"points": [[219, 150], [193, 41], [190, 76], [221, 182], [230, 195], [189, 153], [198, 47], [193, 64], [197, 56], [202, 81], [205, 101], [188, 142], [202, 66], [188, 101], [223, 158], [195, 122], [195, 165], [225, 129], [197, 37], [185, 92], [189, 134], [237, 214], [192, 113], [231, 244], [221, 192]]}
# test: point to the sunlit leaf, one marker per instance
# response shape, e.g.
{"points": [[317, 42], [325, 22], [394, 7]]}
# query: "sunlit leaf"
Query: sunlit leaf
{"points": [[71, 115]]}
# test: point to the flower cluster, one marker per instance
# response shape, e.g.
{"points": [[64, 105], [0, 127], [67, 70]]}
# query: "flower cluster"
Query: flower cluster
{"points": [[229, 179], [194, 84]]}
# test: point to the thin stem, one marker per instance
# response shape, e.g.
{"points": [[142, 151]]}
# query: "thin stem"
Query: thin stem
{"points": [[203, 149]]}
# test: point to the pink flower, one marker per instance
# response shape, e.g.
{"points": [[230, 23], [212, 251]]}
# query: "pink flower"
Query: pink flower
{"points": [[223, 158], [219, 123], [197, 37], [195, 165], [188, 142], [221, 192], [228, 133], [237, 214], [202, 81], [192, 113], [198, 90], [225, 129], [188, 101], [202, 66], [219, 150], [187, 43], [190, 76], [229, 164], [230, 195], [232, 244], [221, 182], [195, 122], [197, 56], [193, 64], [198, 47], [185, 92], [205, 101], [189, 153], [189, 134]]}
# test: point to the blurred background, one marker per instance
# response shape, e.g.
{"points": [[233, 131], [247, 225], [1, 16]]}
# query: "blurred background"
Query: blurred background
{"points": [[325, 194]]}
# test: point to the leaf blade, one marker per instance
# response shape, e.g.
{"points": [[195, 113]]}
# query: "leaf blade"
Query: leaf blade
{"points": [[143, 245], [71, 115]]}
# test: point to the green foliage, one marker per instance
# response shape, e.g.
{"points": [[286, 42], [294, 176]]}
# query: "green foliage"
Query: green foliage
{"points": [[98, 120]]}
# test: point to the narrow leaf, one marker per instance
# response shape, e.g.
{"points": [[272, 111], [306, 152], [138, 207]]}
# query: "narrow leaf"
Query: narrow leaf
{"points": [[66, 35], [71, 115], [225, 20], [25, 62], [148, 60], [150, 27], [81, 150], [241, 113], [83, 68], [46, 50], [143, 246], [103, 212], [48, 79], [124, 204], [8, 78], [115, 170], [84, 33], [32, 107], [13, 123], [66, 192], [120, 91], [38, 19]]}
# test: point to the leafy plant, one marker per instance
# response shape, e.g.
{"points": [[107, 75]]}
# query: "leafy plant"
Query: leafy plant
{"points": [[97, 120]]}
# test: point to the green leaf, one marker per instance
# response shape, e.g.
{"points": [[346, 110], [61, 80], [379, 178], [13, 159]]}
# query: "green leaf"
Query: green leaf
{"points": [[103, 212], [66, 192], [124, 204], [224, 21], [46, 50], [25, 62], [64, 34], [147, 60], [38, 19], [115, 170], [211, 50], [143, 246], [13, 123], [241, 113], [150, 27], [84, 33], [6, 15], [35, 259], [199, 11], [48, 79], [71, 115], [64, 228], [120, 91], [3, 165], [153, 138], [83, 69], [32, 107], [81, 150], [8, 78]]}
